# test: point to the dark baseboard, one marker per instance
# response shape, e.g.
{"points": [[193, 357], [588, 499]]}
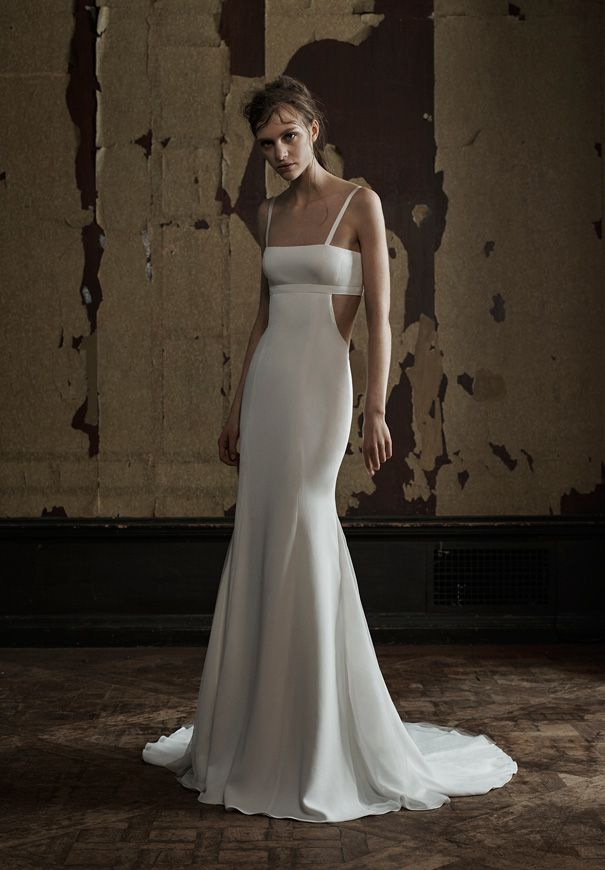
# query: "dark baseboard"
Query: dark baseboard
{"points": [[129, 582]]}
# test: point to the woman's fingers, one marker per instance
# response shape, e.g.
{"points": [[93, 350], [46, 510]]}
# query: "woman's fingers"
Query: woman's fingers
{"points": [[386, 450], [377, 454], [371, 459], [233, 448], [227, 448]]}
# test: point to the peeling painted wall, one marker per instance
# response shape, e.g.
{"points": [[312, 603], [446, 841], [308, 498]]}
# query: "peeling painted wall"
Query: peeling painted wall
{"points": [[128, 192]]}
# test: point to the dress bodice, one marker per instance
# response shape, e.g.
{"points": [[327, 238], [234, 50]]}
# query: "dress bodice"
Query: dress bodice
{"points": [[322, 268], [322, 265]]}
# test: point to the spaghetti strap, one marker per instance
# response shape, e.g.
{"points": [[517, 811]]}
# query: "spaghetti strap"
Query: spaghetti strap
{"points": [[340, 214], [269, 220]]}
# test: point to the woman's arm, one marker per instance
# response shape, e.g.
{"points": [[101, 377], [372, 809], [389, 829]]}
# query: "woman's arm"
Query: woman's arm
{"points": [[377, 446], [228, 438]]}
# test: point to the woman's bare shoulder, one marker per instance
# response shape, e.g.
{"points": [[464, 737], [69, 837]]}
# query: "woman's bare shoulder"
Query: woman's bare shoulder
{"points": [[368, 217], [367, 204], [367, 196]]}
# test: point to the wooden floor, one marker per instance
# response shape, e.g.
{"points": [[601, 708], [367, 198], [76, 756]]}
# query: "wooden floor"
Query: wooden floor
{"points": [[76, 793]]}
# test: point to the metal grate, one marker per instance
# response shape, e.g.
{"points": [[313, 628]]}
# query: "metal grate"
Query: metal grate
{"points": [[468, 577]]}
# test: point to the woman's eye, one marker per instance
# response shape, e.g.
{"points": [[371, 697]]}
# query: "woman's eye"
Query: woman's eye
{"points": [[290, 134]]}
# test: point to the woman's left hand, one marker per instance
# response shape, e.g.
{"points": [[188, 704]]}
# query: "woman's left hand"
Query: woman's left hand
{"points": [[377, 444]]}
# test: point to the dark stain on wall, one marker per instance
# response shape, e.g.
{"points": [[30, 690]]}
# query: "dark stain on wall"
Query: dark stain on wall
{"points": [[90, 429], [574, 502], [242, 28], [146, 142], [497, 310], [502, 453], [225, 200], [442, 459], [467, 382], [463, 476], [515, 11], [82, 105]]}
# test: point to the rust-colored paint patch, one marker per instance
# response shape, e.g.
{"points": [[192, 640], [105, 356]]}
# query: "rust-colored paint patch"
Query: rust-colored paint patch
{"points": [[82, 105]]}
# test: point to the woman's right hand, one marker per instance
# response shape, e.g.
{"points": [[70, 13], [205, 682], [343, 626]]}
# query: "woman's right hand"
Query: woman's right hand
{"points": [[227, 442]]}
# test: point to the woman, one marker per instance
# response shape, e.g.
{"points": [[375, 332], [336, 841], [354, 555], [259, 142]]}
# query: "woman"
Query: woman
{"points": [[294, 719]]}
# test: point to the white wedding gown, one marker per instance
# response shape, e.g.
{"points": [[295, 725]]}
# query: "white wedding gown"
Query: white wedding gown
{"points": [[294, 719]]}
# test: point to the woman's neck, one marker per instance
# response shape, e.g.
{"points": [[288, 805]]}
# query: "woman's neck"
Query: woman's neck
{"points": [[305, 190]]}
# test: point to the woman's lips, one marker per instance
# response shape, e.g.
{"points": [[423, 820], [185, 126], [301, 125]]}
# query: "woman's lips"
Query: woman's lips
{"points": [[287, 166]]}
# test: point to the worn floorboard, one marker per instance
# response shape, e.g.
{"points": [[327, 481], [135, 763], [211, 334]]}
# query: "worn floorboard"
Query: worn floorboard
{"points": [[76, 793]]}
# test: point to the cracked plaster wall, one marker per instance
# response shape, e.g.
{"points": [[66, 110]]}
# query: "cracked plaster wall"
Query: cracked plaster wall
{"points": [[130, 269]]}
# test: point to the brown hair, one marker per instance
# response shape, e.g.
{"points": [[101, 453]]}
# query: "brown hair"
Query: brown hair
{"points": [[285, 90]]}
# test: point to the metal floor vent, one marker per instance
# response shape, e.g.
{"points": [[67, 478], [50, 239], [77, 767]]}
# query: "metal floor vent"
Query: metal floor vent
{"points": [[468, 577]]}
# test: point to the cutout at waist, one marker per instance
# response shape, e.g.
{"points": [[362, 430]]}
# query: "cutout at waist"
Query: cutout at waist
{"points": [[342, 289]]}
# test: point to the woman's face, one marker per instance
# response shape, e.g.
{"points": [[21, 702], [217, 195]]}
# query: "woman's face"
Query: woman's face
{"points": [[286, 140]]}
